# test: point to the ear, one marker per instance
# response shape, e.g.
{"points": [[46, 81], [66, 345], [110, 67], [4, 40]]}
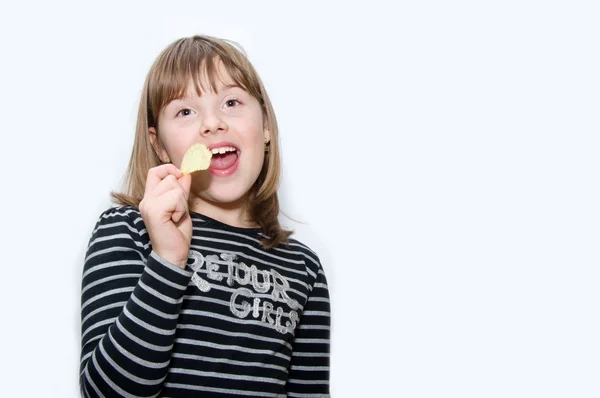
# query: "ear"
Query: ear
{"points": [[160, 150], [266, 129]]}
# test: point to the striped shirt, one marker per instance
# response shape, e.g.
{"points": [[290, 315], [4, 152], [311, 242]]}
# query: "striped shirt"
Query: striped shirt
{"points": [[239, 320]]}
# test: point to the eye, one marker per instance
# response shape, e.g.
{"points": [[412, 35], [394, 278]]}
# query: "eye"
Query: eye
{"points": [[183, 112], [232, 102]]}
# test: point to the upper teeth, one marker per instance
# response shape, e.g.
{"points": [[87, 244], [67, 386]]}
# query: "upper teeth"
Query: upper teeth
{"points": [[223, 149]]}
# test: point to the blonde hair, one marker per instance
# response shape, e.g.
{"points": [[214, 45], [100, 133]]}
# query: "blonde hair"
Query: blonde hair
{"points": [[186, 59]]}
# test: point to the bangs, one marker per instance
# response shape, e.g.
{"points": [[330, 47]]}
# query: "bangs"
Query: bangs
{"points": [[197, 62]]}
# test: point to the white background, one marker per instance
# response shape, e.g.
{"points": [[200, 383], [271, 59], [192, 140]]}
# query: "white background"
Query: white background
{"points": [[443, 156]]}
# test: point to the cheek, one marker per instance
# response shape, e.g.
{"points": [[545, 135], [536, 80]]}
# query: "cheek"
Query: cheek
{"points": [[255, 152], [177, 143], [255, 140], [259, 147]]}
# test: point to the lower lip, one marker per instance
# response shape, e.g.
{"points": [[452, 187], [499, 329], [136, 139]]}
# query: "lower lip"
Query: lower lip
{"points": [[225, 172]]}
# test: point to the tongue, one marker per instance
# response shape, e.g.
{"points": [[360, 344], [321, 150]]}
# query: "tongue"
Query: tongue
{"points": [[223, 161]]}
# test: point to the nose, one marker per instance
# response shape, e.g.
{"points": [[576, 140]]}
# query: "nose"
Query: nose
{"points": [[212, 123]]}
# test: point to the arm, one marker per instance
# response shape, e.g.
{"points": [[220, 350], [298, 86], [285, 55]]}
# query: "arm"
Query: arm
{"points": [[309, 370], [130, 303]]}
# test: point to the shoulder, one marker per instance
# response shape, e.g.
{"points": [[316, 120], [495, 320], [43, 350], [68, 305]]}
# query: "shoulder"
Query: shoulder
{"points": [[127, 214], [120, 219], [119, 212], [120, 226], [309, 256]]}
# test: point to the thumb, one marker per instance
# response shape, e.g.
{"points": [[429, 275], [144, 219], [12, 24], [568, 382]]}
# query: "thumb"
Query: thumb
{"points": [[186, 182]]}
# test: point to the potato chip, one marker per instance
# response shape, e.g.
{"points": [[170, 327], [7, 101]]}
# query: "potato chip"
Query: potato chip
{"points": [[196, 158]]}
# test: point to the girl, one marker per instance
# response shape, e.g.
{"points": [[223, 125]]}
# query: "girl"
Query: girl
{"points": [[190, 286]]}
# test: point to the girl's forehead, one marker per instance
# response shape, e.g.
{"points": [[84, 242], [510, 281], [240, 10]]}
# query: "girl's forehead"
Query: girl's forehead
{"points": [[216, 82]]}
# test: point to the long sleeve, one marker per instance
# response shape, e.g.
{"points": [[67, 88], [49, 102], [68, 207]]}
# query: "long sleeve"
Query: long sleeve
{"points": [[309, 370], [130, 304]]}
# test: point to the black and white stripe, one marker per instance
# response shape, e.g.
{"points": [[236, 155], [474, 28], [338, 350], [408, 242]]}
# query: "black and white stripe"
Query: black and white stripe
{"points": [[149, 331]]}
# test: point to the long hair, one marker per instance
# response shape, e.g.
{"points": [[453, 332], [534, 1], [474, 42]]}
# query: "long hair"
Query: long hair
{"points": [[186, 59]]}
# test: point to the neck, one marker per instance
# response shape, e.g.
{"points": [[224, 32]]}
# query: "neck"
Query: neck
{"points": [[234, 214]]}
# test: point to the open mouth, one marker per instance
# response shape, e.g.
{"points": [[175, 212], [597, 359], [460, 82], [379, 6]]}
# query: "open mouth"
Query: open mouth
{"points": [[224, 160]]}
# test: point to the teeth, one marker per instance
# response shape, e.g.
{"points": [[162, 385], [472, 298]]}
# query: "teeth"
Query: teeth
{"points": [[223, 149]]}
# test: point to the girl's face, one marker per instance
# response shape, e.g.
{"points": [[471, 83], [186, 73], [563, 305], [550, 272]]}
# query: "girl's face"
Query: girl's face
{"points": [[229, 122]]}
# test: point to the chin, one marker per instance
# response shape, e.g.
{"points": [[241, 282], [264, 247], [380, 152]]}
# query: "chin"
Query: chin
{"points": [[224, 190], [226, 194]]}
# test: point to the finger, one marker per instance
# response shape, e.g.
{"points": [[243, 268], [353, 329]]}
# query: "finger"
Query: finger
{"points": [[181, 210], [171, 182], [167, 184], [158, 173], [175, 204], [186, 183]]}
